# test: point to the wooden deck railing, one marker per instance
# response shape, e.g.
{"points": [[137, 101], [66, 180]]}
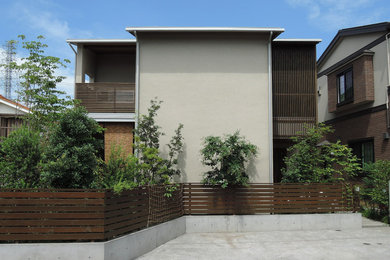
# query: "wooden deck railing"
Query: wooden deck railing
{"points": [[106, 97], [98, 215]]}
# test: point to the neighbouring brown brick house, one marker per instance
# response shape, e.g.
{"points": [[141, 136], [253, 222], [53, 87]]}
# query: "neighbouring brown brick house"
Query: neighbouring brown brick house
{"points": [[353, 87], [213, 80]]}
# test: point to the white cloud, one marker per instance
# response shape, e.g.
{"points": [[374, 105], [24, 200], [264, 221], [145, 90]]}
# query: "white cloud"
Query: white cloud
{"points": [[332, 15], [45, 22]]}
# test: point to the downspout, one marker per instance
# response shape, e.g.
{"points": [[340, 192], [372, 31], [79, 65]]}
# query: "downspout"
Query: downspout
{"points": [[136, 81], [388, 81], [270, 114]]}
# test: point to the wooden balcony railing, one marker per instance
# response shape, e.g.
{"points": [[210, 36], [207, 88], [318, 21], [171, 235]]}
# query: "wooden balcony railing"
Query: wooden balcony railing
{"points": [[106, 97]]}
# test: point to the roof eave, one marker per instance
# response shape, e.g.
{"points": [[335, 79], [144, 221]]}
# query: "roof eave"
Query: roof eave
{"points": [[276, 31]]}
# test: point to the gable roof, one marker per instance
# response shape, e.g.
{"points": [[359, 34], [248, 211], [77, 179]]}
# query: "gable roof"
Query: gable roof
{"points": [[13, 104], [371, 28]]}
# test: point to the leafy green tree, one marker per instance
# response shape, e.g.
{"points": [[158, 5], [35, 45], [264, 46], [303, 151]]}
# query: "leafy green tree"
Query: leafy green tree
{"points": [[375, 190], [227, 158], [20, 154], [70, 158], [309, 161], [38, 81], [155, 169]]}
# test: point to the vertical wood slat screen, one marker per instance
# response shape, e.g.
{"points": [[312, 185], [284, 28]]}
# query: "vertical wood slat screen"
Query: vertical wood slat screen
{"points": [[294, 88]]}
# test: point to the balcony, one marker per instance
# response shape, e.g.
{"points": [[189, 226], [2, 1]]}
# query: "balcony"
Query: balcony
{"points": [[104, 97]]}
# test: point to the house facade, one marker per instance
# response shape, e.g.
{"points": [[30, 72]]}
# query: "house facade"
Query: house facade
{"points": [[212, 80], [353, 82], [10, 112]]}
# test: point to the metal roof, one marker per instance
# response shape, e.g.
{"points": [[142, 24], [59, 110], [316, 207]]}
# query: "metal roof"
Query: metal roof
{"points": [[102, 41], [277, 31], [298, 40]]}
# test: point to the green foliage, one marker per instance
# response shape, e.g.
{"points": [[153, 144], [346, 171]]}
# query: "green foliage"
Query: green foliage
{"points": [[375, 190], [227, 157], [38, 82], [120, 172], [147, 167], [70, 158], [310, 162], [155, 169], [20, 155]]}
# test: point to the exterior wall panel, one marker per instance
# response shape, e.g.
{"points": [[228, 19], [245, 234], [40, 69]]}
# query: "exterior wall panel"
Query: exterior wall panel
{"points": [[214, 85]]}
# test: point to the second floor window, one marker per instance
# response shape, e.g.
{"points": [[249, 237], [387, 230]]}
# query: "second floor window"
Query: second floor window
{"points": [[345, 87]]}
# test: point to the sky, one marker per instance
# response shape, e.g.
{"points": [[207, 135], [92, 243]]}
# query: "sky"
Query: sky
{"points": [[69, 19]]}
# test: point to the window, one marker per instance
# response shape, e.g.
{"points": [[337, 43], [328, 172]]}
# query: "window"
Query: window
{"points": [[345, 87], [363, 150]]}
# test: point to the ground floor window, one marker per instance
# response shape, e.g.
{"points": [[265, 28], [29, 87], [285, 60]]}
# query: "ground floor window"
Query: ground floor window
{"points": [[363, 149]]}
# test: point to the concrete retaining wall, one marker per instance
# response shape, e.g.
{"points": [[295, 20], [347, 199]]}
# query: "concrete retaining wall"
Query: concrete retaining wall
{"points": [[125, 247], [256, 223], [141, 242]]}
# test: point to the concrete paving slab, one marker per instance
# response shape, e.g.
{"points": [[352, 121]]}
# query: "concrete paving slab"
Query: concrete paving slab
{"points": [[367, 243]]}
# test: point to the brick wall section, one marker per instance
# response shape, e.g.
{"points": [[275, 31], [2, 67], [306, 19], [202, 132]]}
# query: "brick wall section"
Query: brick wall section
{"points": [[363, 83], [118, 134], [365, 126]]}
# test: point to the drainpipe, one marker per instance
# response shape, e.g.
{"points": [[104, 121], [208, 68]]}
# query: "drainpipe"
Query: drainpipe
{"points": [[388, 80], [136, 81], [136, 85], [270, 114]]}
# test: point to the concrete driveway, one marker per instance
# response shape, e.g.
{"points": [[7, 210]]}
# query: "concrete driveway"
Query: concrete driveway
{"points": [[366, 243]]}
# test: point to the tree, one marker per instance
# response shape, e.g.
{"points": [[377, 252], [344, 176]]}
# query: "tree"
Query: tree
{"points": [[70, 158], [38, 81], [375, 190], [309, 161], [227, 158], [20, 155], [155, 169]]}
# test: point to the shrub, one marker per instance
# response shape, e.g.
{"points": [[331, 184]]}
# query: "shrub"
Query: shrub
{"points": [[375, 190], [70, 158], [118, 173], [227, 157], [20, 154], [310, 162]]}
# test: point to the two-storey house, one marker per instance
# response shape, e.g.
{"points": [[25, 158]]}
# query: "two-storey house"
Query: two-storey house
{"points": [[213, 80], [353, 87]]}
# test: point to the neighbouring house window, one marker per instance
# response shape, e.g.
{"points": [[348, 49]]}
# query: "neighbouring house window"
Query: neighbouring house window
{"points": [[364, 150], [345, 87]]}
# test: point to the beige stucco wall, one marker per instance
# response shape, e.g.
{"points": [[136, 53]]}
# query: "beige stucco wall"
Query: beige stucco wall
{"points": [[347, 46], [380, 83], [214, 86]]}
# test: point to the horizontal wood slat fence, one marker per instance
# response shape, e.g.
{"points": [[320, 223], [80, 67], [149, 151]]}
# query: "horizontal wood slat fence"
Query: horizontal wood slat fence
{"points": [[98, 215], [268, 198], [83, 215]]}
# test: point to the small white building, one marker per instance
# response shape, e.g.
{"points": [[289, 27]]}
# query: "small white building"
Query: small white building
{"points": [[10, 113]]}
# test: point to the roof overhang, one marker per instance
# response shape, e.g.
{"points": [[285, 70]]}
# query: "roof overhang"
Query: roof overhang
{"points": [[102, 41], [371, 28], [276, 31], [310, 41], [15, 105]]}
